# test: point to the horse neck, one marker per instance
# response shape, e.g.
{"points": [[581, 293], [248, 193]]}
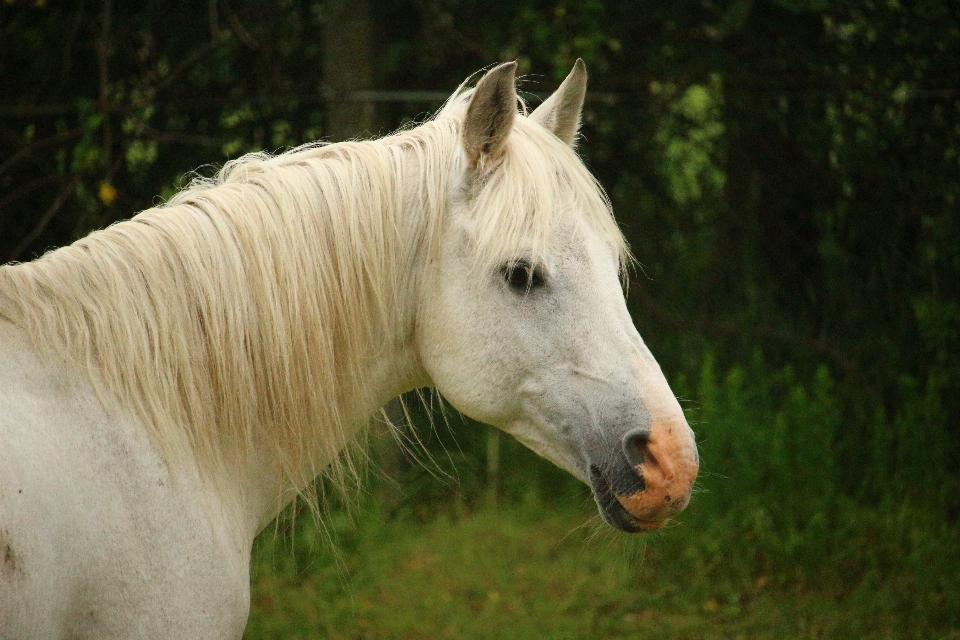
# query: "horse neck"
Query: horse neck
{"points": [[408, 215], [411, 215], [222, 329]]}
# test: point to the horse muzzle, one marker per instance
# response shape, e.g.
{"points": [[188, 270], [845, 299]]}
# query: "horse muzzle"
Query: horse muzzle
{"points": [[649, 480]]}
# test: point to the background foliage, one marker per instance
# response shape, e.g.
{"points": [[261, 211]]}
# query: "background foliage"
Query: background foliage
{"points": [[786, 171]]}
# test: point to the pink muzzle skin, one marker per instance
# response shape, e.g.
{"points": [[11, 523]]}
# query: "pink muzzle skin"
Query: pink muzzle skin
{"points": [[666, 459]]}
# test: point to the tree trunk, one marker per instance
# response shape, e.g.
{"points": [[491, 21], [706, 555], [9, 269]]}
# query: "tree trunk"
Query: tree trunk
{"points": [[347, 67]]}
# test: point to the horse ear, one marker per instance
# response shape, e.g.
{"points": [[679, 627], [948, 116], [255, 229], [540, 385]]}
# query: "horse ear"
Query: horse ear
{"points": [[560, 113], [490, 115]]}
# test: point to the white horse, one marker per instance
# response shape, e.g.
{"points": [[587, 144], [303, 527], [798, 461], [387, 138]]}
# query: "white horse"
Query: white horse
{"points": [[168, 384]]}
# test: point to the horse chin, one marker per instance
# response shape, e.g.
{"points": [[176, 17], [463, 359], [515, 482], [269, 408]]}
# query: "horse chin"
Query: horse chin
{"points": [[614, 513], [617, 517]]}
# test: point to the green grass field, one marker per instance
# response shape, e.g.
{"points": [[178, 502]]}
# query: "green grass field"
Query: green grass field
{"points": [[539, 570], [778, 542]]}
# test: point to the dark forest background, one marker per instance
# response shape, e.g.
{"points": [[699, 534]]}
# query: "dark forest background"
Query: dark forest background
{"points": [[787, 173]]}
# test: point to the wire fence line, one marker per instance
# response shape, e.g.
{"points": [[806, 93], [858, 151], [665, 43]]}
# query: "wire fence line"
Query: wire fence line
{"points": [[326, 95]]}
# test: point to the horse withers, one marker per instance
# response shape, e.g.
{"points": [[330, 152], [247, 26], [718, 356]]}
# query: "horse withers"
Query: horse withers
{"points": [[168, 384]]}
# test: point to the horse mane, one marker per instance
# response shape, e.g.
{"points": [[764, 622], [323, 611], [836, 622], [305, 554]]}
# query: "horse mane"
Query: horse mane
{"points": [[239, 317]]}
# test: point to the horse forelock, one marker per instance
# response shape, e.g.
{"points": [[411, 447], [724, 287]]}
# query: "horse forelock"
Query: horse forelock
{"points": [[538, 183], [238, 317]]}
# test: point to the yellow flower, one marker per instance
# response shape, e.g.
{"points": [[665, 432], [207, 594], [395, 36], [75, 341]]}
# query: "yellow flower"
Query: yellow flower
{"points": [[107, 193]]}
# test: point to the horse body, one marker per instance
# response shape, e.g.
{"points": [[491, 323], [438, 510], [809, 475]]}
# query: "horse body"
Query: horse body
{"points": [[96, 539], [169, 384]]}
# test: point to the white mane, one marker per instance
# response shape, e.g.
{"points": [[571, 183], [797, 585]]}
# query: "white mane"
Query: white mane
{"points": [[236, 318]]}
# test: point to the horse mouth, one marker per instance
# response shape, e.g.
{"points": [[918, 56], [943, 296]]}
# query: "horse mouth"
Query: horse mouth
{"points": [[612, 511]]}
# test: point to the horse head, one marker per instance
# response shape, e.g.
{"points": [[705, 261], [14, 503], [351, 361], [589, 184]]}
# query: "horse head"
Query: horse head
{"points": [[522, 321]]}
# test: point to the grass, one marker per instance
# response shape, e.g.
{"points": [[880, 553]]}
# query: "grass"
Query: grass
{"points": [[805, 525], [534, 570]]}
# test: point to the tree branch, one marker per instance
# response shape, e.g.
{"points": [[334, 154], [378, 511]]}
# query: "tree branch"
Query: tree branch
{"points": [[46, 218], [22, 190], [68, 47], [103, 67], [191, 60], [34, 146], [179, 138], [238, 27], [212, 14]]}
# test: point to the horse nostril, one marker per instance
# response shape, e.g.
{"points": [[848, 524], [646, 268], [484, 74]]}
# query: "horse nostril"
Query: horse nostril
{"points": [[662, 457], [636, 447]]}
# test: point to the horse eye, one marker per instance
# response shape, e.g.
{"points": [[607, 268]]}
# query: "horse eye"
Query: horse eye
{"points": [[522, 276]]}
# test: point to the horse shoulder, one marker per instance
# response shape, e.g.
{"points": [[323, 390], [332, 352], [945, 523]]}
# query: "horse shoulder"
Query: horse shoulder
{"points": [[97, 540]]}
